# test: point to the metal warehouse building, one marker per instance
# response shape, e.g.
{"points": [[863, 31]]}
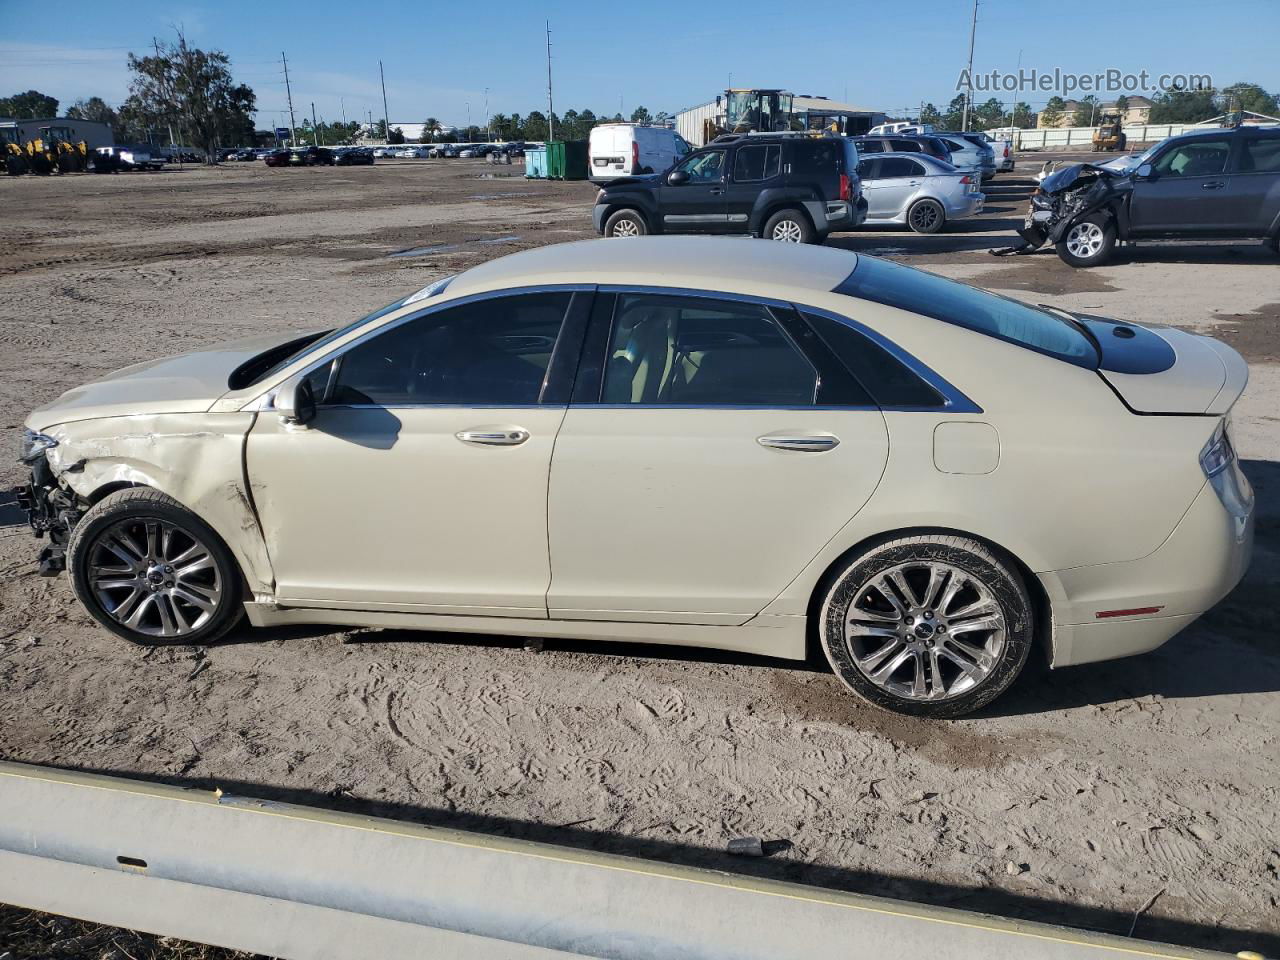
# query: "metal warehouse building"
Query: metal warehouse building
{"points": [[93, 133], [814, 113]]}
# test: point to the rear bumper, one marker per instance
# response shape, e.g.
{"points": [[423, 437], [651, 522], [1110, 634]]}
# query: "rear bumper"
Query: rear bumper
{"points": [[836, 216], [1200, 563], [967, 205]]}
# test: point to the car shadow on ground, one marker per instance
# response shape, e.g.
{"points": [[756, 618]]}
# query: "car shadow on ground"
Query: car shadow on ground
{"points": [[343, 797], [11, 515]]}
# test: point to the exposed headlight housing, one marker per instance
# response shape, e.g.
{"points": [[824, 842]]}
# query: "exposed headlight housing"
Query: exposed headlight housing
{"points": [[34, 445]]}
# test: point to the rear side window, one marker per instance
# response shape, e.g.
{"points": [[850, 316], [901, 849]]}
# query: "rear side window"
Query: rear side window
{"points": [[1260, 155], [900, 167], [951, 302], [753, 164], [905, 146], [695, 351], [818, 158], [889, 381], [870, 146]]}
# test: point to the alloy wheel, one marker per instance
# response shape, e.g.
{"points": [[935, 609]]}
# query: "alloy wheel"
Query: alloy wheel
{"points": [[154, 577], [787, 231], [1084, 240], [923, 217], [626, 228], [925, 630]]}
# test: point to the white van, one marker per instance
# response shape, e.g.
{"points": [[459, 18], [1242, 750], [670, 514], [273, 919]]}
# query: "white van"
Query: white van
{"points": [[907, 127], [624, 149]]}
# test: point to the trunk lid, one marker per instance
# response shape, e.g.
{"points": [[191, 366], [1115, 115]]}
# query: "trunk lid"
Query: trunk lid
{"points": [[1157, 369]]}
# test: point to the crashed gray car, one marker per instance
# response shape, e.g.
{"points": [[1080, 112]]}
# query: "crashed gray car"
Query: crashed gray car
{"points": [[1218, 184]]}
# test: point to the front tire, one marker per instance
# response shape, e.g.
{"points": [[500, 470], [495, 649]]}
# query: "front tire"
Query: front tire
{"points": [[1088, 243], [151, 571], [789, 226], [626, 223], [932, 626], [926, 216]]}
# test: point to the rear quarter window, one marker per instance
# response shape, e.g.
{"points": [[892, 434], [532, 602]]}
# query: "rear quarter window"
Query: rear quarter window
{"points": [[817, 159]]}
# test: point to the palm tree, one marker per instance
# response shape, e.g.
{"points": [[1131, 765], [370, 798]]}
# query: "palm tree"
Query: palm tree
{"points": [[430, 127]]}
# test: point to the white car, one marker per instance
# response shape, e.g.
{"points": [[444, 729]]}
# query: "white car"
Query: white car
{"points": [[681, 440], [631, 149]]}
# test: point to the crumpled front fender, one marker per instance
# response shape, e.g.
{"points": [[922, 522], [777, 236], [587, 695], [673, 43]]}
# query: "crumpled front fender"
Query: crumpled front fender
{"points": [[198, 459]]}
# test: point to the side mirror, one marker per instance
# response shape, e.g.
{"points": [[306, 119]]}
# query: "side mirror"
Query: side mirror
{"points": [[1146, 172], [295, 402], [678, 178]]}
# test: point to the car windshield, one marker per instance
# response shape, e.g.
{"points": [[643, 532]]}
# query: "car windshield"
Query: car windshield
{"points": [[933, 296]]}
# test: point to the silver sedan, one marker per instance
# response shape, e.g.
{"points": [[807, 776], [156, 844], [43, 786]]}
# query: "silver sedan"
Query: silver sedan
{"points": [[918, 191]]}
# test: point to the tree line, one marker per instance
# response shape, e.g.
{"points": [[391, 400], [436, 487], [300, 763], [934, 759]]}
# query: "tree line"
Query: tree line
{"points": [[1175, 105]]}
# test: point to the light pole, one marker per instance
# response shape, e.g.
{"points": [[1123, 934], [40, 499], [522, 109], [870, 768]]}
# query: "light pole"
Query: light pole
{"points": [[468, 118], [487, 135]]}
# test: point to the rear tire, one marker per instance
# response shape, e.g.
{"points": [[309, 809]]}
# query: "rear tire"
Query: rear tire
{"points": [[626, 223], [789, 226], [151, 571], [926, 216], [1088, 243], [932, 626]]}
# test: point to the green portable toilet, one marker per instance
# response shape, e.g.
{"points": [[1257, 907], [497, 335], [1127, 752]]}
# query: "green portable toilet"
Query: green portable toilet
{"points": [[567, 159]]}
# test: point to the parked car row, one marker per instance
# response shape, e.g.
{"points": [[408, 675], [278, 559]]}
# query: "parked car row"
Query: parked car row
{"points": [[791, 187]]}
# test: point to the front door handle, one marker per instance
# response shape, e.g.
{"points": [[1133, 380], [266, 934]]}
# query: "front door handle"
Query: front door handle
{"points": [[813, 443], [494, 437], [1215, 185]]}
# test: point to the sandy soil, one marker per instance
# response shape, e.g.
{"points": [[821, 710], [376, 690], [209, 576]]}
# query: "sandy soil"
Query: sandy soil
{"points": [[1078, 798]]}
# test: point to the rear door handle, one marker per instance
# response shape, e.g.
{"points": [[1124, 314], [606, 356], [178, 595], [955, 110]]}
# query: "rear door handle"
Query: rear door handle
{"points": [[1215, 185], [494, 437], [716, 191], [813, 443]]}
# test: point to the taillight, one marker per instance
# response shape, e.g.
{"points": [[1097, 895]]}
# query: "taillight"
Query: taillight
{"points": [[846, 187], [635, 157], [966, 179], [1006, 151], [1218, 453]]}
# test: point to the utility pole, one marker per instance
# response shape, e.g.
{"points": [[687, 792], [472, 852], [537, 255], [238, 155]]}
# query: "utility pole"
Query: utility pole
{"points": [[288, 92], [551, 110], [386, 117], [342, 104], [487, 136], [315, 127], [968, 97]]}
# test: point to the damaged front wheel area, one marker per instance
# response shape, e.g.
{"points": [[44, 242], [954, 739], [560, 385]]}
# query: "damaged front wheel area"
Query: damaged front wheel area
{"points": [[151, 571], [1088, 242]]}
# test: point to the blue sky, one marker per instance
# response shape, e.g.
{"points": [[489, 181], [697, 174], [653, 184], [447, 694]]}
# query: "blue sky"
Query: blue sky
{"points": [[664, 54]]}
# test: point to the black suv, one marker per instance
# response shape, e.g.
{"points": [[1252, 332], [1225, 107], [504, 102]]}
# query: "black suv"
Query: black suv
{"points": [[786, 187]]}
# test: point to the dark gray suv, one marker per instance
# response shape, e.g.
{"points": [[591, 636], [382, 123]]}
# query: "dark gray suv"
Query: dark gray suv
{"points": [[1213, 184], [788, 187]]}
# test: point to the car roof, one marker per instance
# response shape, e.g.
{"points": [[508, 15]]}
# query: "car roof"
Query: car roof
{"points": [[703, 263]]}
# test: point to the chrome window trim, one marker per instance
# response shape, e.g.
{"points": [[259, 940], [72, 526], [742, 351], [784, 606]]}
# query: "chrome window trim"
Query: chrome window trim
{"points": [[259, 400]]}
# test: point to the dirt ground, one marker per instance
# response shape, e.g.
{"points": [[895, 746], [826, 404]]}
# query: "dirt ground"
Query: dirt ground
{"points": [[1085, 797]]}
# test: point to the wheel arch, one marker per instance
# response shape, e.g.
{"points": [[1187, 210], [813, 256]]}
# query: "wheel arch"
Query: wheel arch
{"points": [[650, 220], [775, 205], [1042, 606]]}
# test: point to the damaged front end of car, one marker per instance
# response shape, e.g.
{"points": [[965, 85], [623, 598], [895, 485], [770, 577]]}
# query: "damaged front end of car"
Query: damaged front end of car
{"points": [[1067, 196], [51, 509]]}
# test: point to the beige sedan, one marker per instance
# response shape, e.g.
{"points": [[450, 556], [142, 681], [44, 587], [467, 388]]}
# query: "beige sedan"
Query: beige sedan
{"points": [[678, 440]]}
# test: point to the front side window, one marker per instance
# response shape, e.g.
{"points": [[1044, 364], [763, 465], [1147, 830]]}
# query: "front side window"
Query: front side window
{"points": [[753, 164], [493, 351], [697, 351], [930, 295], [704, 167], [869, 169], [1198, 158]]}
